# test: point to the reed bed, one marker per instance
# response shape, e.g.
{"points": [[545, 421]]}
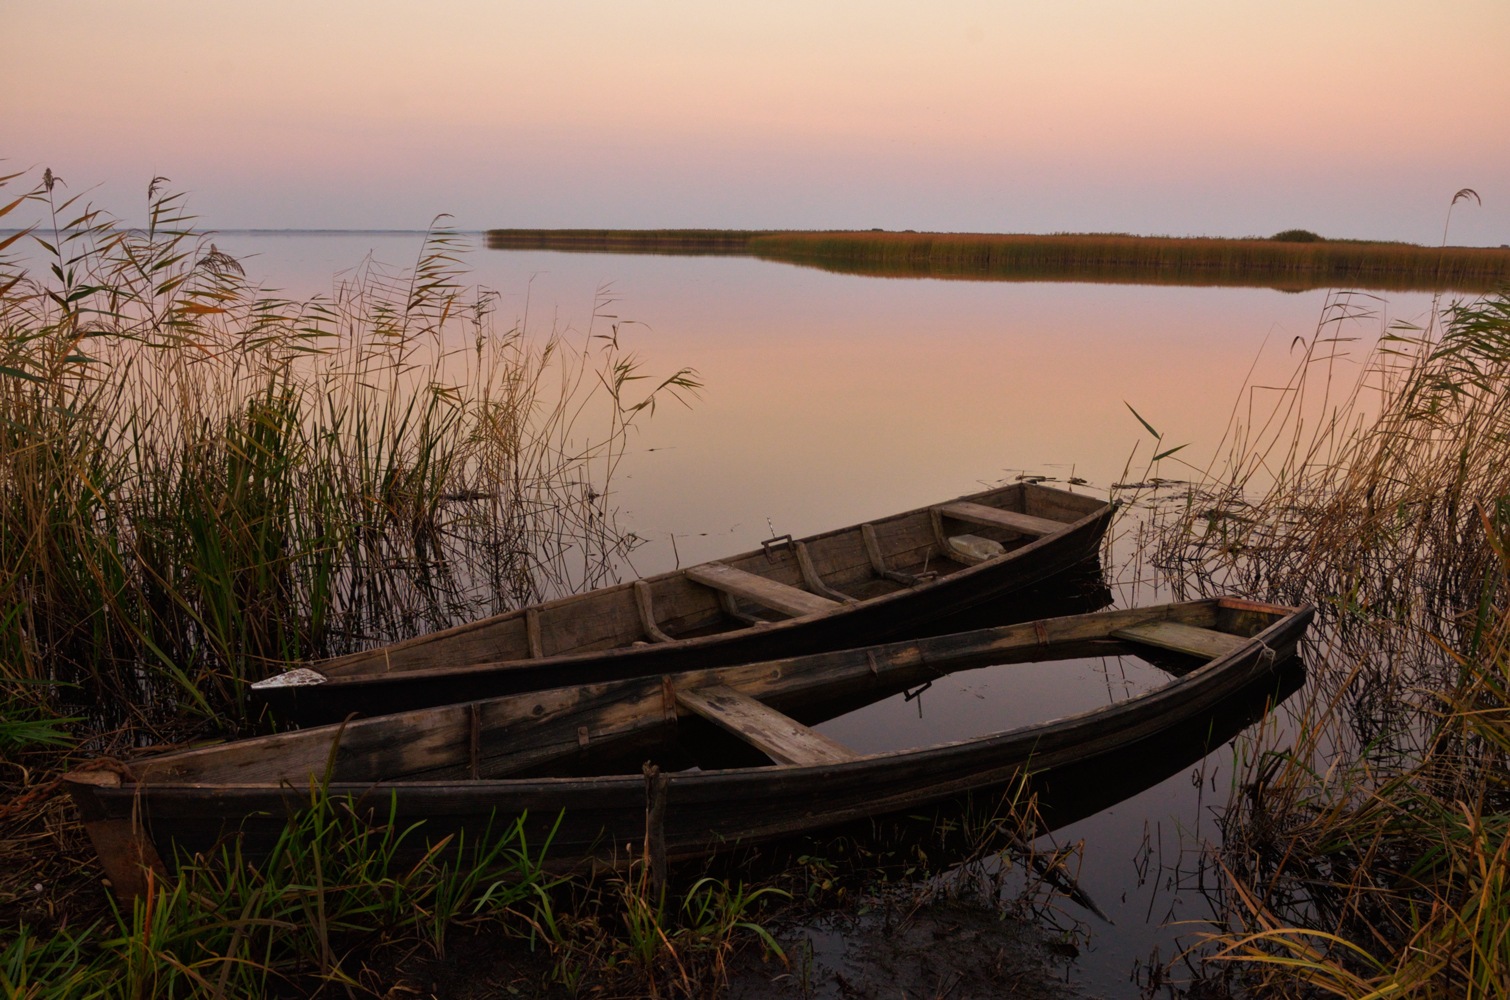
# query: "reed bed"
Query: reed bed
{"points": [[1291, 260], [200, 483], [661, 241], [1367, 853], [1128, 258]]}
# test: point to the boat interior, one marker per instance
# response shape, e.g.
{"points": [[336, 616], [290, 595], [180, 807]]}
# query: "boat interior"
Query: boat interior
{"points": [[785, 578]]}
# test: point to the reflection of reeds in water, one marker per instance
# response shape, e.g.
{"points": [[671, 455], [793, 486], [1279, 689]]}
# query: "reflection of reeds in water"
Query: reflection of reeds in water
{"points": [[199, 483], [1114, 273], [1370, 854]]}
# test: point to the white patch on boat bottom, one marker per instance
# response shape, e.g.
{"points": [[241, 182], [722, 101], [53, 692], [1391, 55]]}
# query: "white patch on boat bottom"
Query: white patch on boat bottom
{"points": [[299, 677], [976, 547]]}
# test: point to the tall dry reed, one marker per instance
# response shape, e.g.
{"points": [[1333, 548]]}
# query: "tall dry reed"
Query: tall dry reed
{"points": [[199, 483], [1367, 854]]}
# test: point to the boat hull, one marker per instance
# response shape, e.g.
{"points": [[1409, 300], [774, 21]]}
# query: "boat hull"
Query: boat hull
{"points": [[172, 809], [456, 665]]}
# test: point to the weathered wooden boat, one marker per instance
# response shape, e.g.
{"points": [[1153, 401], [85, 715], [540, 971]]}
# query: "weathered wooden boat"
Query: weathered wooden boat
{"points": [[880, 580], [460, 767]]}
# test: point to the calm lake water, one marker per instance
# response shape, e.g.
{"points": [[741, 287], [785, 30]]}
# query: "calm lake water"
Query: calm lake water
{"points": [[832, 399]]}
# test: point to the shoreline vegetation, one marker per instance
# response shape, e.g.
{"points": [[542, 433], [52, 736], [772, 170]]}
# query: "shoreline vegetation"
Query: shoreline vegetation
{"points": [[1294, 260], [1365, 852], [198, 484]]}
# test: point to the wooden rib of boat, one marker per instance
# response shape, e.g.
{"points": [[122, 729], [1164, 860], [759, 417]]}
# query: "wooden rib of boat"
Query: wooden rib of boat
{"points": [[884, 579], [460, 767]]}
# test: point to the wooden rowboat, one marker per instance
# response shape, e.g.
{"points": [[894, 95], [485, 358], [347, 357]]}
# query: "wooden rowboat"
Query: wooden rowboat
{"points": [[884, 579], [460, 767]]}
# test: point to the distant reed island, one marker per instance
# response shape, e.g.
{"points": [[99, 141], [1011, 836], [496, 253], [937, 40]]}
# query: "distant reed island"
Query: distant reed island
{"points": [[1294, 260]]}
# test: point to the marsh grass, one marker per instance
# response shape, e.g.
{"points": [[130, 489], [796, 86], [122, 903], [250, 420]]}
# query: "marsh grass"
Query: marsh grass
{"points": [[1292, 260], [653, 241], [342, 895], [347, 902], [200, 483], [1366, 855], [1363, 487], [623, 936], [1384, 874], [1122, 257], [334, 899]]}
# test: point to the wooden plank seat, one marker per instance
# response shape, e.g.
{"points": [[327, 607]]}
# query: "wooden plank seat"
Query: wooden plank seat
{"points": [[783, 739], [1189, 639], [979, 513], [767, 593]]}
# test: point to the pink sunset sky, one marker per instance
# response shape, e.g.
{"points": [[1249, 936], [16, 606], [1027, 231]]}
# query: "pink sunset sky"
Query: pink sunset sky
{"points": [[1354, 119]]}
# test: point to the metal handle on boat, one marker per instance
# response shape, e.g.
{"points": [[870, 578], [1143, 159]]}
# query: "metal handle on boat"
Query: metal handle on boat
{"points": [[771, 543]]}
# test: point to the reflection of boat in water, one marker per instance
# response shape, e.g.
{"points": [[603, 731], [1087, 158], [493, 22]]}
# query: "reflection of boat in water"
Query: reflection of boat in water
{"points": [[888, 578], [1072, 792], [463, 767]]}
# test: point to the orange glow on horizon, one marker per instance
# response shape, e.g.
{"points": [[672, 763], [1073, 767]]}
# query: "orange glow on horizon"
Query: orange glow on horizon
{"points": [[885, 105]]}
